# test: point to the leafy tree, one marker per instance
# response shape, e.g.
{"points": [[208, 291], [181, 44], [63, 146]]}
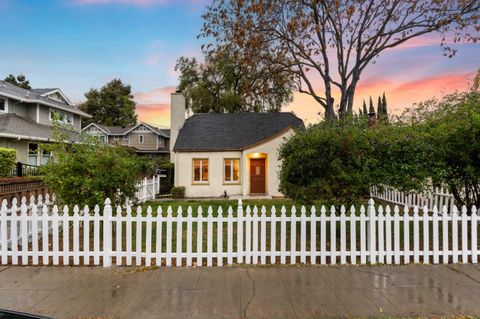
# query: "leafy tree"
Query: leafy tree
{"points": [[224, 84], [300, 36], [88, 172], [329, 160], [20, 81], [112, 105]]}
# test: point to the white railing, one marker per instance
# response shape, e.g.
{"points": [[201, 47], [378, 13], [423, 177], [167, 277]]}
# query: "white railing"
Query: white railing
{"points": [[241, 236], [437, 196], [147, 189]]}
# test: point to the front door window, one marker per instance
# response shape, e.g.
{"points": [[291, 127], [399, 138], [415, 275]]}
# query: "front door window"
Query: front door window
{"points": [[32, 154]]}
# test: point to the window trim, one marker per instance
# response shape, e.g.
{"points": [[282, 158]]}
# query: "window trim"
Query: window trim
{"points": [[141, 139], [232, 182], [116, 137], [200, 182], [65, 114], [125, 138], [5, 100]]}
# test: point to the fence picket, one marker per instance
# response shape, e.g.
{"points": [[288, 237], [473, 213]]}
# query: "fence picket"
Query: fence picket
{"points": [[283, 236], [139, 236], [416, 236], [313, 236], [388, 235], [396, 234], [426, 236], [66, 237], [464, 235], [86, 235], [76, 235], [3, 232], [230, 236], [158, 236], [445, 234], [148, 238], [372, 240], [333, 236], [323, 236], [168, 239], [248, 235], [189, 236], [107, 233], [179, 250], [474, 223], [24, 231], [381, 235], [436, 250], [220, 237], [454, 217], [255, 235], [240, 221], [343, 236], [209, 237], [263, 236], [118, 236], [273, 236], [199, 236], [293, 235], [353, 235], [55, 245], [363, 248], [303, 235], [128, 235], [406, 235]]}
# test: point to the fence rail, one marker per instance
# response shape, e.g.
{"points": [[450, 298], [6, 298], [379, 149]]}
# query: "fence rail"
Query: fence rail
{"points": [[239, 235], [436, 197]]}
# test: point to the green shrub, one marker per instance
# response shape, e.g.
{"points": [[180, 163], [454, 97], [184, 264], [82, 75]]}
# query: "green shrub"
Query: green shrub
{"points": [[328, 161], [87, 173], [8, 157], [178, 192]]}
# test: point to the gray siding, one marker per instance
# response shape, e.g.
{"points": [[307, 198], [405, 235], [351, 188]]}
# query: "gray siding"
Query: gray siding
{"points": [[150, 141]]}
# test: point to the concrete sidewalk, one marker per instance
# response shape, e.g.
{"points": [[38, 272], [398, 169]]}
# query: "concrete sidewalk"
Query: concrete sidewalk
{"points": [[235, 292]]}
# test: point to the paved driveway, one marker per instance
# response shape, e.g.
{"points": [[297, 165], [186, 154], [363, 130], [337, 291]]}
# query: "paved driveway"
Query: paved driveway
{"points": [[277, 292]]}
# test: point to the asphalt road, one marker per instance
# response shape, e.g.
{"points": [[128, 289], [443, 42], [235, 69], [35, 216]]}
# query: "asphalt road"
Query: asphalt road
{"points": [[241, 292]]}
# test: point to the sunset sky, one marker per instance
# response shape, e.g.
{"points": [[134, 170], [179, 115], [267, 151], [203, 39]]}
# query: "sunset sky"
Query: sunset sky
{"points": [[81, 44]]}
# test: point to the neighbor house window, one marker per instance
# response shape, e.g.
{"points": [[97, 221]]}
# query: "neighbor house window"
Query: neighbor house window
{"points": [[141, 139], [32, 154], [3, 105], [116, 138], [231, 168], [61, 117], [46, 156], [200, 170], [125, 137]]}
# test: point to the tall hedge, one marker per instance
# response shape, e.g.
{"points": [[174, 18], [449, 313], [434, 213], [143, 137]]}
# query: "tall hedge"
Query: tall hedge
{"points": [[7, 160]]}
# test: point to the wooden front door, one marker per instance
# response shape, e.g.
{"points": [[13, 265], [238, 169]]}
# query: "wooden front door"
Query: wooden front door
{"points": [[257, 176]]}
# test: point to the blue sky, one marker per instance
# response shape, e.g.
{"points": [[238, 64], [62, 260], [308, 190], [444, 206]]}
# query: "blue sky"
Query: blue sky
{"points": [[80, 44]]}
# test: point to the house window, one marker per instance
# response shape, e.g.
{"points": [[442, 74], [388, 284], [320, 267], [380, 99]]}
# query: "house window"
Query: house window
{"points": [[3, 105], [125, 137], [46, 156], [61, 117], [141, 139], [231, 168], [200, 170], [116, 138], [161, 142], [32, 154]]}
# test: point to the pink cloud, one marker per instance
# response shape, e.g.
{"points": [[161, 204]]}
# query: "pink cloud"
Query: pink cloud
{"points": [[155, 96]]}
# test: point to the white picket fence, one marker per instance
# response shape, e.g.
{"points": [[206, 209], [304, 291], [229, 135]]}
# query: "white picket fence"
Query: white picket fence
{"points": [[437, 196], [148, 189], [248, 236]]}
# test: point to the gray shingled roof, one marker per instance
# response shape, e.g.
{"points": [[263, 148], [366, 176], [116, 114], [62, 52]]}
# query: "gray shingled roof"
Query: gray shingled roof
{"points": [[32, 96], [120, 130], [12, 124], [234, 131], [44, 90]]}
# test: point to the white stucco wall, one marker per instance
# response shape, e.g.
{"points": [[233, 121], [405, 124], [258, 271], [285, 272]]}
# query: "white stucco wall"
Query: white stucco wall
{"points": [[216, 186]]}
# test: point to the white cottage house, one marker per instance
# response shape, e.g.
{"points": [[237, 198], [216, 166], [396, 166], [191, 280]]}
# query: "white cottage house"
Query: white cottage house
{"points": [[233, 154]]}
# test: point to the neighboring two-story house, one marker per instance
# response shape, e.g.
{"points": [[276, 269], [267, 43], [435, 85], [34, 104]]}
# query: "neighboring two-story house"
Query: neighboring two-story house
{"points": [[147, 140], [27, 117]]}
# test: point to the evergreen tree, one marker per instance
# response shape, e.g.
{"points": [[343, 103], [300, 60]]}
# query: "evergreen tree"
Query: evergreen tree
{"points": [[379, 107], [365, 112], [372, 108], [360, 112], [19, 80], [384, 105]]}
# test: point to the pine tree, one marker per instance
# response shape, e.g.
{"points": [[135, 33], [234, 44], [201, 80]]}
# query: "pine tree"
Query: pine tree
{"points": [[364, 108], [384, 105], [379, 107], [360, 112], [372, 108]]}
